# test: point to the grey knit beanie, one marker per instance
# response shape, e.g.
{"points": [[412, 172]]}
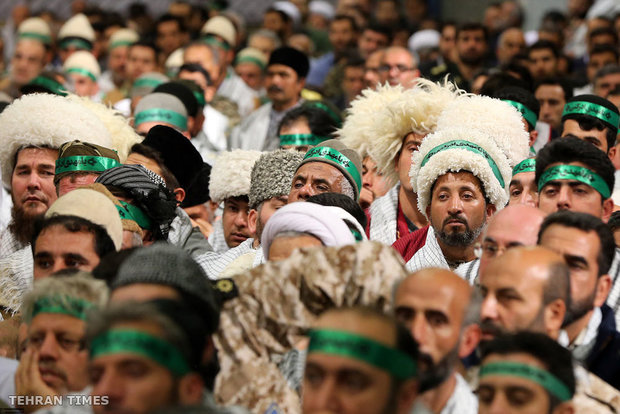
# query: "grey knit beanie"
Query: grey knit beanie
{"points": [[161, 107], [272, 175]]}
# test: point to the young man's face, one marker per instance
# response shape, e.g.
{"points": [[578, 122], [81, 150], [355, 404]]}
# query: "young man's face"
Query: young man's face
{"points": [[235, 221], [411, 143], [543, 63], [552, 101]]}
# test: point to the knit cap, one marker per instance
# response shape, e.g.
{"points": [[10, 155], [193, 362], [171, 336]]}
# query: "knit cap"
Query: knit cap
{"points": [[93, 206], [161, 107], [83, 63], [335, 153], [78, 156], [272, 175], [146, 83], [77, 32]]}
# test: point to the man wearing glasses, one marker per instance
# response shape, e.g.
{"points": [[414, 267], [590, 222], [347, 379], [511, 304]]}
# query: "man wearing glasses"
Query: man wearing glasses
{"points": [[398, 66]]}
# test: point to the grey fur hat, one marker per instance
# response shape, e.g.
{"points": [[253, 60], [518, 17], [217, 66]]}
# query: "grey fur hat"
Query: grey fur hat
{"points": [[272, 175]]}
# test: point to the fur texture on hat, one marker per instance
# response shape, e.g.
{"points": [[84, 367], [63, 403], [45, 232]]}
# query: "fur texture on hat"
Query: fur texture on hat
{"points": [[77, 26], [231, 174], [272, 175], [45, 120], [455, 160], [122, 134], [495, 118]]}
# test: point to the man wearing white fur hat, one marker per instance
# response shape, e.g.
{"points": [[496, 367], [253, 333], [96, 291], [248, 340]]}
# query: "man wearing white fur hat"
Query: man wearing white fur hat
{"points": [[83, 71], [389, 124], [230, 184], [31, 132], [461, 178]]}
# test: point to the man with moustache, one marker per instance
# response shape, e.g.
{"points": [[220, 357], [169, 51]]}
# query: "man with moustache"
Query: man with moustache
{"points": [[284, 80], [442, 312]]}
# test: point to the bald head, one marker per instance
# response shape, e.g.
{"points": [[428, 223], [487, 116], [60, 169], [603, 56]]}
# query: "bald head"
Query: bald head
{"points": [[515, 225], [524, 289], [399, 66], [510, 43]]}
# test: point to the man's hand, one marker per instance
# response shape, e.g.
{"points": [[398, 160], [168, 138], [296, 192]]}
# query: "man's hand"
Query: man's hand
{"points": [[28, 381]]}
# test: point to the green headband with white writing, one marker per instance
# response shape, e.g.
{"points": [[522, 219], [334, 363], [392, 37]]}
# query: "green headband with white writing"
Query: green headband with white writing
{"points": [[396, 363], [85, 163], [301, 139], [468, 146], [161, 115], [81, 71], [130, 212], [526, 112], [577, 173], [141, 343], [336, 157], [45, 39], [527, 165], [595, 110], [541, 377], [80, 44], [66, 305]]}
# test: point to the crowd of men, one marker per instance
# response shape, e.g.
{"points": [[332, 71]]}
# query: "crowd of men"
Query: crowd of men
{"points": [[349, 207]]}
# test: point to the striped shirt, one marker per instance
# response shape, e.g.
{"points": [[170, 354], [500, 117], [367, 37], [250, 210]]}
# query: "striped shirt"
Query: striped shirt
{"points": [[613, 299]]}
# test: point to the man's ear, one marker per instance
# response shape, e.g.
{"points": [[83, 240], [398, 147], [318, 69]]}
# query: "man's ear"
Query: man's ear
{"points": [[407, 393], [533, 137], [252, 219], [603, 286], [190, 390], [554, 313], [608, 209], [491, 209], [612, 153], [179, 194], [470, 337], [564, 408]]}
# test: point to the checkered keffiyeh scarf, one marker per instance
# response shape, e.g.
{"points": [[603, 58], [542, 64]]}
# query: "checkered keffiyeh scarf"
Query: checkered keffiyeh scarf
{"points": [[148, 191]]}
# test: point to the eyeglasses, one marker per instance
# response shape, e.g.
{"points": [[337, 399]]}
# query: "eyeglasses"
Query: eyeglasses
{"points": [[490, 249], [399, 68]]}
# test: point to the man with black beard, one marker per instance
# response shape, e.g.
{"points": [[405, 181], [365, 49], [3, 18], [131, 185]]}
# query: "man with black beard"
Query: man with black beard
{"points": [[587, 245], [442, 312]]}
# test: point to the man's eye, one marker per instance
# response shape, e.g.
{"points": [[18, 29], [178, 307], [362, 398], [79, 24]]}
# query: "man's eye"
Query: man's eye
{"points": [[43, 263], [516, 192], [355, 382]]}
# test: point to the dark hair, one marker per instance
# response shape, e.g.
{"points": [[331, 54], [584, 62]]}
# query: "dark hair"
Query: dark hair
{"points": [[354, 61], [319, 121], [603, 31], [588, 122], [498, 81], [556, 359], [103, 243], [586, 223], [572, 149], [601, 49], [195, 67], [108, 266], [615, 91], [285, 17], [471, 27], [344, 202], [350, 19], [614, 220], [561, 82], [544, 44], [522, 96], [379, 28], [153, 154], [610, 69], [146, 43], [167, 17], [524, 74]]}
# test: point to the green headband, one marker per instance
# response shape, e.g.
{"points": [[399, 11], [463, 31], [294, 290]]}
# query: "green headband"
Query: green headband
{"points": [[49, 84], [214, 41], [301, 139], [468, 146], [335, 156], [36, 36], [150, 82], [330, 112], [130, 212], [65, 305], [595, 110], [527, 165], [396, 363], [85, 163], [575, 172], [526, 112], [156, 349], [120, 43], [251, 59], [80, 44], [161, 115], [200, 98], [543, 378], [83, 72]]}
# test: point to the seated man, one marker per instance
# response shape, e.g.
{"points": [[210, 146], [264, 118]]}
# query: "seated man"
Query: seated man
{"points": [[55, 360], [365, 347], [526, 372]]}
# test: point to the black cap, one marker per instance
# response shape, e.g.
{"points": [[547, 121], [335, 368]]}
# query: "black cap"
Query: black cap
{"points": [[198, 191], [292, 58], [183, 92]]}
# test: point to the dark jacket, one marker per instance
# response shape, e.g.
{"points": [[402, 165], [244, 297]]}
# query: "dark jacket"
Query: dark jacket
{"points": [[604, 359]]}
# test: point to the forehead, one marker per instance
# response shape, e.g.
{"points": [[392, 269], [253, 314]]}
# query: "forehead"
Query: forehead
{"points": [[573, 241], [423, 293], [57, 322], [550, 91], [319, 170], [479, 33], [30, 45], [78, 242], [141, 50], [139, 159], [38, 156], [397, 56], [513, 227], [515, 272], [456, 179], [278, 68]]}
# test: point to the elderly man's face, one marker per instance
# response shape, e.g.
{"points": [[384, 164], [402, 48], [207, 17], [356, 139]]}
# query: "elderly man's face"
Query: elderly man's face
{"points": [[314, 178], [398, 67], [28, 61]]}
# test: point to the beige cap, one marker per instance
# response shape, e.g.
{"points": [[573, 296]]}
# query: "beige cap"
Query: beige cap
{"points": [[83, 63], [174, 62], [78, 32], [35, 28], [252, 55], [93, 206], [123, 37], [222, 27]]}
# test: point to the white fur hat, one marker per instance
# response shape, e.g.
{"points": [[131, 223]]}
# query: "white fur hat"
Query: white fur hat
{"points": [[496, 118], [123, 37], [75, 29], [83, 63], [122, 135], [231, 174], [45, 120], [462, 152], [35, 28]]}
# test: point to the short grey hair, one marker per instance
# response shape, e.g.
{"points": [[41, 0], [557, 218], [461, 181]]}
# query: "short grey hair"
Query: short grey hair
{"points": [[81, 285], [269, 34]]}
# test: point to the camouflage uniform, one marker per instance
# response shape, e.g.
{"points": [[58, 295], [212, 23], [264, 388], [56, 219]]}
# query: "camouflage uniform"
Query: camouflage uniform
{"points": [[279, 301]]}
